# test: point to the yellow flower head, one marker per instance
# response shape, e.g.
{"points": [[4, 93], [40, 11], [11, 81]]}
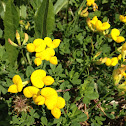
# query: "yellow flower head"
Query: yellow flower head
{"points": [[37, 78], [122, 18], [53, 60], [115, 36], [17, 86], [48, 80], [30, 47], [38, 99], [90, 2], [39, 44], [38, 61], [30, 91], [56, 112]]}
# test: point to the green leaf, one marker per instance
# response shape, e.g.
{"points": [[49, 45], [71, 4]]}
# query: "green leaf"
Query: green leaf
{"points": [[11, 22], [66, 96], [44, 19], [44, 120], [59, 5], [29, 71]]}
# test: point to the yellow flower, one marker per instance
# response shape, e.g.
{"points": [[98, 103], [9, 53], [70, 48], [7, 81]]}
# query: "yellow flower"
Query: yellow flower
{"points": [[17, 86], [90, 2], [39, 44], [30, 47], [56, 112], [38, 99], [56, 42], [118, 74], [30, 91], [114, 61], [53, 60], [122, 18], [38, 61], [115, 36], [101, 26], [48, 80], [108, 62], [37, 78]]}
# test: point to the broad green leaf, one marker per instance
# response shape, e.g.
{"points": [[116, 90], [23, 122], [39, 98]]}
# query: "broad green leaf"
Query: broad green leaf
{"points": [[44, 120], [29, 71], [44, 19], [59, 5], [11, 22]]}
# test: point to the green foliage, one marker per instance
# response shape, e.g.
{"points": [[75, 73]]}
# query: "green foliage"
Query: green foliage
{"points": [[11, 22], [87, 87], [44, 19]]}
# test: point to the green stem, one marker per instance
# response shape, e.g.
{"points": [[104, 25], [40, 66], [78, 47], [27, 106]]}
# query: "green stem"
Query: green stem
{"points": [[23, 56], [28, 58]]}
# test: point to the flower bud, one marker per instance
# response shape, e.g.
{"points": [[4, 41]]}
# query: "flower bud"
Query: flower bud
{"points": [[18, 38], [12, 43]]}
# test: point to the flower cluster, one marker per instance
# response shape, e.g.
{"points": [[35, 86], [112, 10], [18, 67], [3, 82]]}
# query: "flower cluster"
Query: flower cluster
{"points": [[97, 25], [46, 95], [44, 50]]}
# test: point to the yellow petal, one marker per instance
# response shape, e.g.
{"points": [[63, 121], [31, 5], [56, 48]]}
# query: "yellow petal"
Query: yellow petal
{"points": [[53, 60], [38, 61], [48, 80], [39, 100], [48, 42], [37, 78], [30, 91], [108, 62], [30, 47], [60, 103], [13, 88], [56, 112], [16, 78], [120, 39], [56, 42], [48, 91], [51, 101]]}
